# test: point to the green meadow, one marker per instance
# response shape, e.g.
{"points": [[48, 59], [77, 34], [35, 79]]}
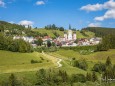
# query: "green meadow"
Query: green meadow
{"points": [[20, 63]]}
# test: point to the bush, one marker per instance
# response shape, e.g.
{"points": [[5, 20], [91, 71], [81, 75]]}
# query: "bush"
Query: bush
{"points": [[99, 67], [35, 61], [78, 78], [82, 64]]}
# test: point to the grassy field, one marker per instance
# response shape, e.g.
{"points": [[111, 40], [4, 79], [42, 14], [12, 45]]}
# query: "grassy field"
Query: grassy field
{"points": [[19, 62], [61, 33], [91, 59], [94, 57]]}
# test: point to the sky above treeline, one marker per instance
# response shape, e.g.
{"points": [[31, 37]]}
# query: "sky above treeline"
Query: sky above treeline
{"points": [[77, 13]]}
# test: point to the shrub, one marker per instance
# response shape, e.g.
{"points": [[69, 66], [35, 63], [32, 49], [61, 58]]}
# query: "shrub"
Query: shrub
{"points": [[35, 61], [99, 67], [78, 78], [82, 64]]}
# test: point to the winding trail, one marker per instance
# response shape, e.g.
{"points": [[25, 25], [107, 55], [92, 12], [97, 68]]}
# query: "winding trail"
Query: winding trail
{"points": [[55, 60], [59, 63]]}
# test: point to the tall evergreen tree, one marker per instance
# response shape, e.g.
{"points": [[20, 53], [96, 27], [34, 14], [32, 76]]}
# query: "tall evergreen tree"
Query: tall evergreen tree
{"points": [[108, 61]]}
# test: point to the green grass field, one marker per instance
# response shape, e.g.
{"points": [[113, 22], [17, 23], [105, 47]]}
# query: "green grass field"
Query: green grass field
{"points": [[94, 57], [20, 65], [61, 33], [19, 62], [91, 59]]}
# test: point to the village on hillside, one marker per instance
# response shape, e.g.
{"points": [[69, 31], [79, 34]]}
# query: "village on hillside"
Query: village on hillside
{"points": [[68, 39]]}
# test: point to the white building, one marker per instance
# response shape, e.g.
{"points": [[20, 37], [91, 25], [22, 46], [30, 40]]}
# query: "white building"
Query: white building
{"points": [[70, 35], [27, 39]]}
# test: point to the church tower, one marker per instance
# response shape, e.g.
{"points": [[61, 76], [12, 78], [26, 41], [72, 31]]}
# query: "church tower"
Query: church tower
{"points": [[70, 35], [65, 35], [74, 36]]}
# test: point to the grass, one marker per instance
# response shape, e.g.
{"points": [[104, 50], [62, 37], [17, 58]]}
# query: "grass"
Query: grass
{"points": [[19, 62], [93, 57]]}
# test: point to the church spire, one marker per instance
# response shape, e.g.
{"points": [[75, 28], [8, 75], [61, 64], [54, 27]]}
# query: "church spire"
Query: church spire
{"points": [[69, 27]]}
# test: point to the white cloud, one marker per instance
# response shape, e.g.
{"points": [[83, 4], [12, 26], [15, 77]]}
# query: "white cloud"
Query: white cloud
{"points": [[110, 14], [40, 3], [94, 25], [94, 7], [2, 4], [12, 22], [109, 6], [26, 23]]}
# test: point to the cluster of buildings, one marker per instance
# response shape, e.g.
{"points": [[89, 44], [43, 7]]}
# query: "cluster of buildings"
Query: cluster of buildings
{"points": [[69, 39]]}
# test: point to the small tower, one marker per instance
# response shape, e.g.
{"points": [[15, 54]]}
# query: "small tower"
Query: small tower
{"points": [[70, 35], [74, 36], [65, 35]]}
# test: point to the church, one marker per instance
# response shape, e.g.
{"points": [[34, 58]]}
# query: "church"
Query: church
{"points": [[70, 35]]}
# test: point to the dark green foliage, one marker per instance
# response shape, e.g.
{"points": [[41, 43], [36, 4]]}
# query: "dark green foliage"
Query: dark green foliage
{"points": [[109, 73], [79, 48], [54, 27], [82, 64], [49, 44], [94, 77], [13, 81], [108, 42], [51, 77], [53, 44], [39, 42], [76, 41], [19, 45], [78, 78], [99, 67], [88, 77], [101, 31], [108, 62]]}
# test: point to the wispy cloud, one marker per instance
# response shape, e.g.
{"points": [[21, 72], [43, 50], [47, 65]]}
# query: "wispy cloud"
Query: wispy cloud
{"points": [[94, 25], [2, 3], [40, 3]]}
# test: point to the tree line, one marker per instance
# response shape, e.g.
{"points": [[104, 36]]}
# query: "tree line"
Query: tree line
{"points": [[100, 31], [108, 42], [18, 45], [54, 27], [49, 77]]}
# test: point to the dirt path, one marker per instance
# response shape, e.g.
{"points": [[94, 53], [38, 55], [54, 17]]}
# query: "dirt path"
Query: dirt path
{"points": [[55, 60]]}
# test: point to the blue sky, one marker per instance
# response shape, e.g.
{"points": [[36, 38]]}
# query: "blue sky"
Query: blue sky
{"points": [[78, 13]]}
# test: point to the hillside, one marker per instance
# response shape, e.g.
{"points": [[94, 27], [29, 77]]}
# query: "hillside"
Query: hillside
{"points": [[100, 31], [15, 29], [61, 33], [8, 26]]}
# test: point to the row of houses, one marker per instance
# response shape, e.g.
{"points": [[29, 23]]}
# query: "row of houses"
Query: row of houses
{"points": [[59, 41]]}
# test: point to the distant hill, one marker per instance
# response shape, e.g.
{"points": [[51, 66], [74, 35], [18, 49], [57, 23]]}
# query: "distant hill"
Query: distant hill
{"points": [[15, 29], [8, 26], [100, 31]]}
